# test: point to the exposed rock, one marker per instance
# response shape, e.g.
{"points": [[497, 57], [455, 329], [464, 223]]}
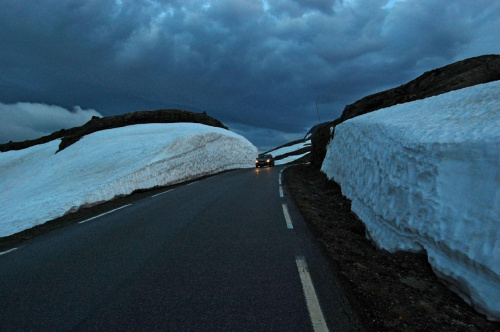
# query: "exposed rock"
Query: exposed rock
{"points": [[72, 135], [458, 75]]}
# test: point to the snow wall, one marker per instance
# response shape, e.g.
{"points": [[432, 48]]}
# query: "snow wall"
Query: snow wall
{"points": [[425, 175], [38, 185]]}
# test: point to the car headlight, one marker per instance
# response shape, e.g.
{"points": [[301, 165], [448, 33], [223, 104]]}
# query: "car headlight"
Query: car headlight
{"points": [[256, 161], [268, 160]]}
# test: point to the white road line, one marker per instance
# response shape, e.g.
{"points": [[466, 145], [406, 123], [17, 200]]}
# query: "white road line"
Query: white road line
{"points": [[281, 191], [279, 180], [163, 193], [81, 222], [317, 318], [7, 251], [287, 217], [192, 183]]}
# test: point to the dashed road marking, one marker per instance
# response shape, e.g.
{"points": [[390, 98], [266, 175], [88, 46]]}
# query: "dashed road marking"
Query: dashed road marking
{"points": [[315, 313], [163, 193], [81, 222], [7, 251], [287, 217], [281, 191], [192, 183]]}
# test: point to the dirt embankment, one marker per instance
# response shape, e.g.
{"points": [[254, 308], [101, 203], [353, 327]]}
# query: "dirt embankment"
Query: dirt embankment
{"points": [[389, 292]]}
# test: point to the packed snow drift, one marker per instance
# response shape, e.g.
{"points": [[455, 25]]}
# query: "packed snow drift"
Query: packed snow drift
{"points": [[425, 175], [38, 185], [290, 159], [291, 150]]}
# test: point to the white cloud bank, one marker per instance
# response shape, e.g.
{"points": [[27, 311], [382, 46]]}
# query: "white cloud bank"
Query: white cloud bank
{"points": [[22, 121]]}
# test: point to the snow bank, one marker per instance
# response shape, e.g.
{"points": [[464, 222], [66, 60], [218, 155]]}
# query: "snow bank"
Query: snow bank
{"points": [[290, 149], [426, 176], [38, 185], [290, 159]]}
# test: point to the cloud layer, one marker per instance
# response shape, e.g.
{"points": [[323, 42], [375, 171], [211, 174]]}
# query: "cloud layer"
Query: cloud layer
{"points": [[22, 121], [260, 64]]}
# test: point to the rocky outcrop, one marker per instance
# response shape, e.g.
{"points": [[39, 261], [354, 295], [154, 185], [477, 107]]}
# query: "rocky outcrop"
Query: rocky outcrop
{"points": [[458, 75], [72, 135]]}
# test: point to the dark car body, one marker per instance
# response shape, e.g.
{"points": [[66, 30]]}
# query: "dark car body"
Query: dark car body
{"points": [[264, 160]]}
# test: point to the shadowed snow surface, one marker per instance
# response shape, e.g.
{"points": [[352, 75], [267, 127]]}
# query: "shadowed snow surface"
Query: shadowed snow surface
{"points": [[425, 175], [39, 185], [290, 159], [289, 149]]}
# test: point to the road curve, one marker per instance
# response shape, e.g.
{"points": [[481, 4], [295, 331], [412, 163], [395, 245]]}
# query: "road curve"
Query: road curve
{"points": [[217, 254]]}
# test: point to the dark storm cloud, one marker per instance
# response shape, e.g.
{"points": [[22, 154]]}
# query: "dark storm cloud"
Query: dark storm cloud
{"points": [[259, 66]]}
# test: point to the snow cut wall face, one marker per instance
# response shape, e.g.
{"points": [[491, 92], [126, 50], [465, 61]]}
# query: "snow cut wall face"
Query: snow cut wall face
{"points": [[39, 185], [425, 175]]}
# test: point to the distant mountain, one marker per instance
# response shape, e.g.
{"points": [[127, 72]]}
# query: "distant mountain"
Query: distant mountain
{"points": [[458, 75], [72, 135]]}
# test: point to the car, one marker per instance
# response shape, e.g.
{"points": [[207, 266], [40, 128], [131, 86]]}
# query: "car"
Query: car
{"points": [[264, 160]]}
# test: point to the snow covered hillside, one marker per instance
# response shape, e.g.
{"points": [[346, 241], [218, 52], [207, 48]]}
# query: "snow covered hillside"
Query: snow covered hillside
{"points": [[38, 185], [425, 175], [290, 153]]}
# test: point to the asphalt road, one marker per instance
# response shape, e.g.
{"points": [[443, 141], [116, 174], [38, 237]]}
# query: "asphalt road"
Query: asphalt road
{"points": [[217, 254]]}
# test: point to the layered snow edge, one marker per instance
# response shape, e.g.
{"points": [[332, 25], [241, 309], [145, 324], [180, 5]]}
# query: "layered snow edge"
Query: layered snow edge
{"points": [[39, 185], [425, 176]]}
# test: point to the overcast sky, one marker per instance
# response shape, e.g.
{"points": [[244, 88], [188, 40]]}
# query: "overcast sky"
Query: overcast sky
{"points": [[257, 66]]}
